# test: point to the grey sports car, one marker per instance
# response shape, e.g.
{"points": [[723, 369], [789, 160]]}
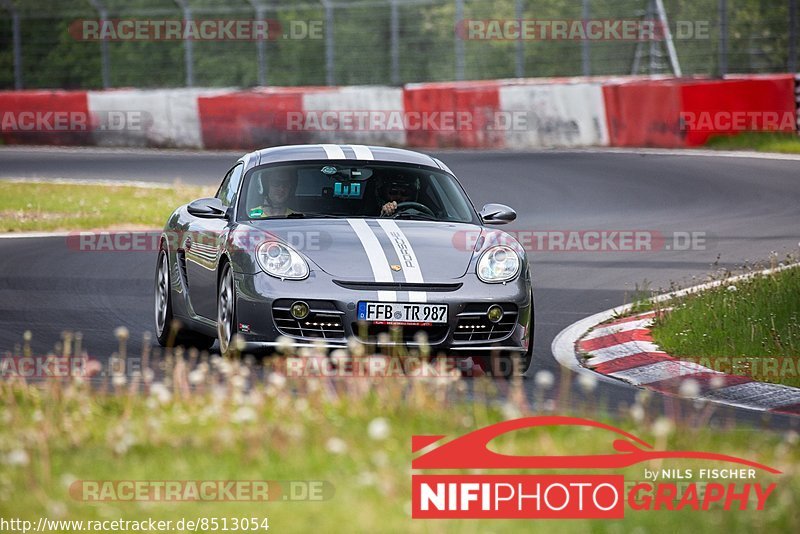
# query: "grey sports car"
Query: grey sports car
{"points": [[330, 243]]}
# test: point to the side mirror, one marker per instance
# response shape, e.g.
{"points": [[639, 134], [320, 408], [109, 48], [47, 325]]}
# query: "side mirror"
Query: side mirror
{"points": [[208, 208], [497, 214]]}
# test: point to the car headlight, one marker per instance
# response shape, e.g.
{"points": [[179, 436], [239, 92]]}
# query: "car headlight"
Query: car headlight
{"points": [[498, 264], [281, 261]]}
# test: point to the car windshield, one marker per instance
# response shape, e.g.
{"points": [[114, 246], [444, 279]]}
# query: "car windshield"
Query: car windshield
{"points": [[338, 189]]}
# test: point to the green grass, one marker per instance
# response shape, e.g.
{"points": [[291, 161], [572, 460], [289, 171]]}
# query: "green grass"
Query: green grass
{"points": [[220, 429], [756, 318], [787, 143], [43, 206]]}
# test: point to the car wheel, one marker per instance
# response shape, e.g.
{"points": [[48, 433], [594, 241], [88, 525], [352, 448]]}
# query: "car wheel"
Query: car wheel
{"points": [[164, 318], [226, 310], [163, 302]]}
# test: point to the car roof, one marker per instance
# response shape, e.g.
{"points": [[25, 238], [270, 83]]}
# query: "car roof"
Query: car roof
{"points": [[340, 152]]}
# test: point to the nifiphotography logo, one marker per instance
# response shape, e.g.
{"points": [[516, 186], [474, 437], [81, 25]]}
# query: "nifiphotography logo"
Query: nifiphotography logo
{"points": [[571, 496]]}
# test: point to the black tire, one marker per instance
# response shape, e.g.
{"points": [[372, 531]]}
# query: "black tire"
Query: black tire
{"points": [[226, 311], [164, 318]]}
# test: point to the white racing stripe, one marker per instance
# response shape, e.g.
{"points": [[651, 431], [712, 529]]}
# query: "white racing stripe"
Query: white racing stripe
{"points": [[408, 259], [377, 258], [334, 151], [362, 152]]}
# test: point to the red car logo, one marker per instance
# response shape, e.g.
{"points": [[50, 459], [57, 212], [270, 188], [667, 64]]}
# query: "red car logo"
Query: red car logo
{"points": [[470, 451]]}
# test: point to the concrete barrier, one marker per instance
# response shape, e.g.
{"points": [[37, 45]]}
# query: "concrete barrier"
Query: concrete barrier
{"points": [[553, 115], [361, 115], [516, 113]]}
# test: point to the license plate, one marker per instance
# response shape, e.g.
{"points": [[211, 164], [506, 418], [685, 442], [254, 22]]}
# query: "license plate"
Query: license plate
{"points": [[402, 313]]}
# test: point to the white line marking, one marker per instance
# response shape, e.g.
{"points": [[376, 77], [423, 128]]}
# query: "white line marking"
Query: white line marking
{"points": [[362, 152], [334, 151], [377, 258], [408, 259]]}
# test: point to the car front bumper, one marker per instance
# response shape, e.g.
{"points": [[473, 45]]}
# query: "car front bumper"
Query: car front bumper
{"points": [[259, 294]]}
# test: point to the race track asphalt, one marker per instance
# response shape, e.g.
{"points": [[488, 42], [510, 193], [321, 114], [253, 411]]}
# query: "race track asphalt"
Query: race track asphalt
{"points": [[744, 209]]}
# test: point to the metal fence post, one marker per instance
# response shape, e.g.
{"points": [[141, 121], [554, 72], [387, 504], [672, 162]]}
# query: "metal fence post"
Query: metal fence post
{"points": [[792, 36], [188, 45], [520, 61], [459, 41], [261, 45], [586, 59], [105, 67], [723, 37], [16, 36], [394, 42], [330, 53]]}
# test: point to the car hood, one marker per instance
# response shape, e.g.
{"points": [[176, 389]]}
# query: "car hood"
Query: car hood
{"points": [[365, 250]]}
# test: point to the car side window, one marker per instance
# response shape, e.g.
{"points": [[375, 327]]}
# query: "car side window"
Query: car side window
{"points": [[230, 184]]}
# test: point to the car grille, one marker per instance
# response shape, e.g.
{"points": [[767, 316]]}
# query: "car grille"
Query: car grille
{"points": [[396, 286], [473, 325], [324, 321]]}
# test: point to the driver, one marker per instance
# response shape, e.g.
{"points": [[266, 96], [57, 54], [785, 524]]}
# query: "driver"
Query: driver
{"points": [[395, 190], [278, 186]]}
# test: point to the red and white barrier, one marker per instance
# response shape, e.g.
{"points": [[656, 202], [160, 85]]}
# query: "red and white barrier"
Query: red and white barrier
{"points": [[158, 118], [515, 114]]}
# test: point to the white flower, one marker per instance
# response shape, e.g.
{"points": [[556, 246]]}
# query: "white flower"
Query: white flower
{"points": [[587, 382], [17, 457], [160, 392], [244, 414], [544, 379], [716, 382], [238, 381], [336, 446], [663, 427], [277, 380], [118, 380], [637, 412], [121, 332], [379, 429], [284, 345], [732, 288], [689, 388], [198, 376]]}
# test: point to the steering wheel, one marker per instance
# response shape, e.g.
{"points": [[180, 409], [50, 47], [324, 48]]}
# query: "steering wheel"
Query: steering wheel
{"points": [[401, 206]]}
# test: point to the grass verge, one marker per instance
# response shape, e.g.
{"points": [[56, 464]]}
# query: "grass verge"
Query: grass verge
{"points": [[783, 142], [750, 327], [43, 206], [215, 419]]}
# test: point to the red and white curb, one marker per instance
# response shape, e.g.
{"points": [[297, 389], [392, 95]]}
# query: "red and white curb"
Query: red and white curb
{"points": [[622, 350]]}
